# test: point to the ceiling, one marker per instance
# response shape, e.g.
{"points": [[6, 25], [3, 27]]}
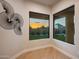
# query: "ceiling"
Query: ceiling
{"points": [[46, 2]]}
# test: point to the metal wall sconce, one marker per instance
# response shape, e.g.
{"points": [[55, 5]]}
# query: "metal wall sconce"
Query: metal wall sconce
{"points": [[10, 20]]}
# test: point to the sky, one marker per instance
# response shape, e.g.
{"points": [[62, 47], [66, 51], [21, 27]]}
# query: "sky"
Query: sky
{"points": [[37, 23], [61, 21]]}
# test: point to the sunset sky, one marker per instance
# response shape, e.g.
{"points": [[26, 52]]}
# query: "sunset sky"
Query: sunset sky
{"points": [[37, 23]]}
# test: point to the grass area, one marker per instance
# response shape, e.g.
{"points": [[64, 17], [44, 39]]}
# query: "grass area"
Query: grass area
{"points": [[35, 37], [59, 37]]}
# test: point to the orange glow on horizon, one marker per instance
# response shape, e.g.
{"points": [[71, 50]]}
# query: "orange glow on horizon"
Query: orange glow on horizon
{"points": [[37, 25]]}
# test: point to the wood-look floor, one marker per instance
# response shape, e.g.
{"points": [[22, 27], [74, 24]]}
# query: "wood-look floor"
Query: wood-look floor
{"points": [[45, 53]]}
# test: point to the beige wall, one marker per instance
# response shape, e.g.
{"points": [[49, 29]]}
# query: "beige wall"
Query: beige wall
{"points": [[10, 43], [73, 49]]}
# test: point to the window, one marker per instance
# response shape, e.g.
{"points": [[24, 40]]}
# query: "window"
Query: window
{"points": [[63, 25], [59, 28], [39, 26]]}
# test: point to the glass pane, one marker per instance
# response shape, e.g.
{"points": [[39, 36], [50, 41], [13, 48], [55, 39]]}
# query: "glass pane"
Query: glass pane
{"points": [[63, 25], [38, 27], [60, 28]]}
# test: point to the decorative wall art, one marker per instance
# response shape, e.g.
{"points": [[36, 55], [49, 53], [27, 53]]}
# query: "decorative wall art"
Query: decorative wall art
{"points": [[9, 19]]}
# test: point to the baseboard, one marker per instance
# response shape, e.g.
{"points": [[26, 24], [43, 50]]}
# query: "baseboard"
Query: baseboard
{"points": [[64, 52], [31, 49], [36, 48]]}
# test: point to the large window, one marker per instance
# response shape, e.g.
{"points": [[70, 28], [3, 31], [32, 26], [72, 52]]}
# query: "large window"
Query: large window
{"points": [[39, 26], [63, 25]]}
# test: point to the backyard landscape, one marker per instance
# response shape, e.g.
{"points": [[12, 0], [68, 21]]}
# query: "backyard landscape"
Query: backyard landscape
{"points": [[38, 29]]}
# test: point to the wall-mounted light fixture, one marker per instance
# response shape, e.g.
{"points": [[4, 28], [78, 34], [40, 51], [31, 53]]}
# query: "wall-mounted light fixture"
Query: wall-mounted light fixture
{"points": [[8, 19]]}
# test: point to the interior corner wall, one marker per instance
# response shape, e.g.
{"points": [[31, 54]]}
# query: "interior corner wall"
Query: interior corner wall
{"points": [[72, 49], [10, 43]]}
